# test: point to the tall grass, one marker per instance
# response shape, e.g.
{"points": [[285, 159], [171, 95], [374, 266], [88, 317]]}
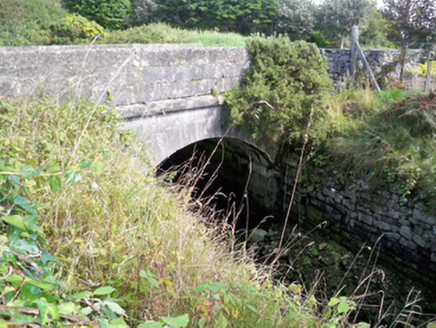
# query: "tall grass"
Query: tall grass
{"points": [[122, 227], [390, 135]]}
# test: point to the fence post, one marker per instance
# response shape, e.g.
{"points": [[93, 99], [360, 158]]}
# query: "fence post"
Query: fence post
{"points": [[429, 68], [353, 55]]}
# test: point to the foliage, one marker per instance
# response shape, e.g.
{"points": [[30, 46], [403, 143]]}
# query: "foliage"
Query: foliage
{"points": [[296, 18], [374, 33], [421, 70], [125, 244], [243, 17], [395, 141], [30, 292], [144, 12], [337, 17], [85, 29], [286, 79], [42, 22], [111, 14], [411, 21], [163, 33]]}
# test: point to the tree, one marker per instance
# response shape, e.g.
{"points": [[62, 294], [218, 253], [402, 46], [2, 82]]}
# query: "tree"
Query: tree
{"points": [[337, 17], [144, 12], [111, 14], [241, 16], [412, 21], [295, 18], [374, 33]]}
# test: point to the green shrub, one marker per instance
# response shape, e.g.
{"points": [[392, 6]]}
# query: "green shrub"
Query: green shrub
{"points": [[286, 79], [111, 14], [85, 29], [42, 22]]}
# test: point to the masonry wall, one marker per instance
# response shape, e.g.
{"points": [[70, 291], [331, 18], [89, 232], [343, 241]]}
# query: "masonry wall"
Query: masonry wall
{"points": [[138, 79], [352, 208], [340, 61]]}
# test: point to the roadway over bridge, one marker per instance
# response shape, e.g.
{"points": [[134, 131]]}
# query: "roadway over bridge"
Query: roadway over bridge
{"points": [[169, 94]]}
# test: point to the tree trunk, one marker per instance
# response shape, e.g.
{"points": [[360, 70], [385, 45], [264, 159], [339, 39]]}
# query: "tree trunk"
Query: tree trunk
{"points": [[342, 40]]}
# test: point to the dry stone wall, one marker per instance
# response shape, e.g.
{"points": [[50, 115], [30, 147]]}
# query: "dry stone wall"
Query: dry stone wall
{"points": [[352, 208], [340, 61]]}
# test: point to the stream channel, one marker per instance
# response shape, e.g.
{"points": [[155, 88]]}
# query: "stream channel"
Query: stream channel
{"points": [[321, 266]]}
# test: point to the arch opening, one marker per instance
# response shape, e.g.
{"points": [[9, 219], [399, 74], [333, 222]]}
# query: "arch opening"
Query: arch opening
{"points": [[234, 178]]}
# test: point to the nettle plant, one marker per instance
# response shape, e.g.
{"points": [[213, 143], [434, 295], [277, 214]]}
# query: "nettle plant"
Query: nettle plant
{"points": [[286, 80]]}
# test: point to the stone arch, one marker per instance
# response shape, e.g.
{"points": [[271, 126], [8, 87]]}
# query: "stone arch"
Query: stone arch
{"points": [[166, 133]]}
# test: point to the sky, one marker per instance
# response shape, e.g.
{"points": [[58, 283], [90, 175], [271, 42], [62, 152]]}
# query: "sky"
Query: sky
{"points": [[379, 2]]}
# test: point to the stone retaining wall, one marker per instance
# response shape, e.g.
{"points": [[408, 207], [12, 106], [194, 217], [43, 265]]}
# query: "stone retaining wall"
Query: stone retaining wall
{"points": [[352, 209], [339, 61]]}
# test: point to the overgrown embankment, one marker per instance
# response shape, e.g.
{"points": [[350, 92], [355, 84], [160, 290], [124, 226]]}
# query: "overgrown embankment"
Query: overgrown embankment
{"points": [[125, 246]]}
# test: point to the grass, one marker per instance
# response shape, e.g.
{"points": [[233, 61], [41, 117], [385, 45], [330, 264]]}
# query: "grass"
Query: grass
{"points": [[120, 226], [163, 33], [389, 135]]}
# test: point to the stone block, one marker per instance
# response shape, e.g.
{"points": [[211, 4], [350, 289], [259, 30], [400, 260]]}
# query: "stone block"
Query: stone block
{"points": [[406, 232], [418, 240], [365, 218], [394, 214], [393, 236]]}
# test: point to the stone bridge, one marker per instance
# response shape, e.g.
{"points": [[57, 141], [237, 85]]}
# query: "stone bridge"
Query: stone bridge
{"points": [[169, 94]]}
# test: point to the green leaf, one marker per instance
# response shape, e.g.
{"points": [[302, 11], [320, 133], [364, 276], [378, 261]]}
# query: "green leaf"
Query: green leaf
{"points": [[334, 301], [153, 282], [54, 182], [114, 307], [53, 169], [104, 290], [16, 221], [16, 281], [67, 308], [181, 321], [46, 257], [25, 245], [72, 177], [22, 202], [251, 308], [4, 168], [48, 312], [98, 167], [84, 164], [3, 268], [343, 307], [28, 171], [87, 310], [430, 324], [118, 323]]}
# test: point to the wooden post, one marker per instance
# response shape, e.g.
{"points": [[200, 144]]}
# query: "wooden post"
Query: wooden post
{"points": [[353, 55], [428, 77], [367, 68]]}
